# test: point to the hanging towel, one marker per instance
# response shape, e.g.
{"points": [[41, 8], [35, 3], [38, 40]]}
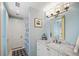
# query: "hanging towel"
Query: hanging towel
{"points": [[76, 46]]}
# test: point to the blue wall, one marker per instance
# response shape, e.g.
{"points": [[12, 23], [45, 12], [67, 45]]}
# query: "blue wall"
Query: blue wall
{"points": [[47, 29], [72, 23], [4, 35]]}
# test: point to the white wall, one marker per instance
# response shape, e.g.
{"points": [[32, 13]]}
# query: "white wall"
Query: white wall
{"points": [[15, 31]]}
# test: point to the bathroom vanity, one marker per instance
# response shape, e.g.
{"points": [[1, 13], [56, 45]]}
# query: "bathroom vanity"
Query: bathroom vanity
{"points": [[47, 48]]}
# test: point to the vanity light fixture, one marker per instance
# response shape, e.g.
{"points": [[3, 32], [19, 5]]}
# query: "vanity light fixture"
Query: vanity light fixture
{"points": [[47, 16], [66, 6], [51, 14], [58, 9], [61, 8]]}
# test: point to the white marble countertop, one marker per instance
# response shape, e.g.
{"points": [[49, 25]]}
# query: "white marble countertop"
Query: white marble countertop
{"points": [[46, 48]]}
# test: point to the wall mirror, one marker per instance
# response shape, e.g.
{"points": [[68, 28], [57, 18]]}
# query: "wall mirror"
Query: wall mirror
{"points": [[59, 28]]}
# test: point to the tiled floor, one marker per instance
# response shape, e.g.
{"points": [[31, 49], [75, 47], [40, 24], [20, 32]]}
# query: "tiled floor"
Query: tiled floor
{"points": [[20, 52]]}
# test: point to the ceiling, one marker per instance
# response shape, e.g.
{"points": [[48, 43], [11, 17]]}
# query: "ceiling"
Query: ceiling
{"points": [[15, 11], [20, 11]]}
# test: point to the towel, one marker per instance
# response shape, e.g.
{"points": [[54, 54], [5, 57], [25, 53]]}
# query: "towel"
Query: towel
{"points": [[76, 46]]}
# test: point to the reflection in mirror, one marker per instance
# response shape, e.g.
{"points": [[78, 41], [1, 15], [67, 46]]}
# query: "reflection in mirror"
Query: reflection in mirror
{"points": [[59, 28]]}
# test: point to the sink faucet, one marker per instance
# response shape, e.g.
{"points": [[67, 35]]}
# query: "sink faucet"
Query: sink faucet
{"points": [[57, 41]]}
